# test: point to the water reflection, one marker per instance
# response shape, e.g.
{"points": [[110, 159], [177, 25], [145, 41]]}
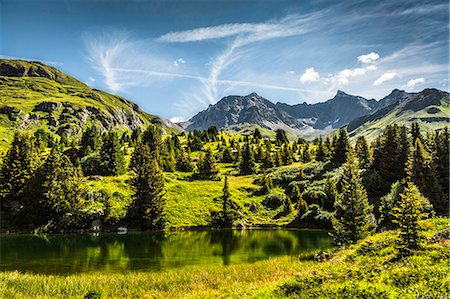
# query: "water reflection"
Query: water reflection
{"points": [[151, 251]]}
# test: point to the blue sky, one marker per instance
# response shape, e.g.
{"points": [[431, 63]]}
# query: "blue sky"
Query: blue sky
{"points": [[174, 58]]}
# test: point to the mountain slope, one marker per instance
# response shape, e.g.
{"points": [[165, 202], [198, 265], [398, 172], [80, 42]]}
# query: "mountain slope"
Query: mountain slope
{"points": [[34, 95], [232, 112], [307, 119], [430, 108]]}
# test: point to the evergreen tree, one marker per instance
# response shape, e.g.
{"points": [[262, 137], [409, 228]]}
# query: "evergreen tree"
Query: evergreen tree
{"points": [[267, 184], [441, 162], [421, 171], [341, 147], [206, 166], [58, 195], [112, 159], [257, 134], [184, 162], [267, 160], [321, 154], [18, 167], [147, 210], [281, 137], [415, 132], [408, 212], [277, 159], [247, 163], [306, 154], [387, 204], [152, 137], [90, 141], [168, 161], [299, 202], [362, 152], [286, 154], [227, 156], [226, 218], [353, 218], [331, 193]]}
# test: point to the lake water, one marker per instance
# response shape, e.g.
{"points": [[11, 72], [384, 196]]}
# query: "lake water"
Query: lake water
{"points": [[64, 254]]}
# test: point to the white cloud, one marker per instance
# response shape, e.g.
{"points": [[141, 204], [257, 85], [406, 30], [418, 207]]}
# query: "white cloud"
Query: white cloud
{"points": [[179, 61], [369, 58], [412, 83], [176, 119], [310, 75], [343, 77], [385, 77], [291, 72]]}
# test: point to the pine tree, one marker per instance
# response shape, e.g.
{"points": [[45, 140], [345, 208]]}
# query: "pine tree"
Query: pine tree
{"points": [[341, 147], [112, 159], [441, 162], [247, 163], [421, 171], [227, 156], [277, 159], [90, 141], [306, 154], [267, 184], [286, 154], [226, 218], [299, 202], [408, 212], [281, 137], [18, 167], [321, 154], [353, 219], [147, 210], [206, 166], [331, 193], [184, 162], [152, 137], [59, 192], [362, 152], [387, 204], [257, 134], [415, 132]]}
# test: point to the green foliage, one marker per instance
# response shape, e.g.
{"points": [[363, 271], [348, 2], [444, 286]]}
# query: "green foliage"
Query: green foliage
{"points": [[440, 155], [387, 204], [147, 210], [18, 167], [362, 152], [267, 184], [247, 163], [408, 212], [280, 137], [206, 166], [184, 162], [421, 171], [353, 219], [112, 159], [90, 141], [341, 147]]}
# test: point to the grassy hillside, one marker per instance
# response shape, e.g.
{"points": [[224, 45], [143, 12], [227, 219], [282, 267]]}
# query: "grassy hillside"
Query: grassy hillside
{"points": [[34, 95], [367, 269], [430, 118]]}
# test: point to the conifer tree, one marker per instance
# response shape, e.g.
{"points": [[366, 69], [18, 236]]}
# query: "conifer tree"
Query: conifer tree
{"points": [[18, 167], [353, 218], [421, 171], [206, 166], [277, 158], [341, 147], [257, 134], [90, 141], [226, 218], [112, 159], [415, 132], [408, 212], [286, 154], [152, 137], [227, 156], [280, 137], [184, 162], [321, 154], [306, 154], [441, 162], [331, 193], [247, 163], [299, 202], [362, 152], [58, 192], [267, 184], [387, 204], [147, 210]]}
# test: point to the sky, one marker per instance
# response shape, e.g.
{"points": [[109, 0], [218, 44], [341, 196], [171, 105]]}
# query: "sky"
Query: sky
{"points": [[174, 58]]}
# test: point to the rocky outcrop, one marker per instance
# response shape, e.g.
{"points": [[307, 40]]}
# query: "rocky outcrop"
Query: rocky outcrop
{"points": [[11, 112], [48, 107]]}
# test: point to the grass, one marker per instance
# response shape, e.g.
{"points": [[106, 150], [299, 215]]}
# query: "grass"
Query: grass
{"points": [[365, 270]]}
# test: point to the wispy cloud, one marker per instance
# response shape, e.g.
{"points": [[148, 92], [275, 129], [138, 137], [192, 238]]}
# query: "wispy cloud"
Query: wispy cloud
{"points": [[369, 58], [385, 77], [413, 82]]}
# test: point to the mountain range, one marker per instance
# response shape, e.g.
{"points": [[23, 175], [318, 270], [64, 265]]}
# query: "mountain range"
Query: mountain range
{"points": [[34, 95], [357, 113]]}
